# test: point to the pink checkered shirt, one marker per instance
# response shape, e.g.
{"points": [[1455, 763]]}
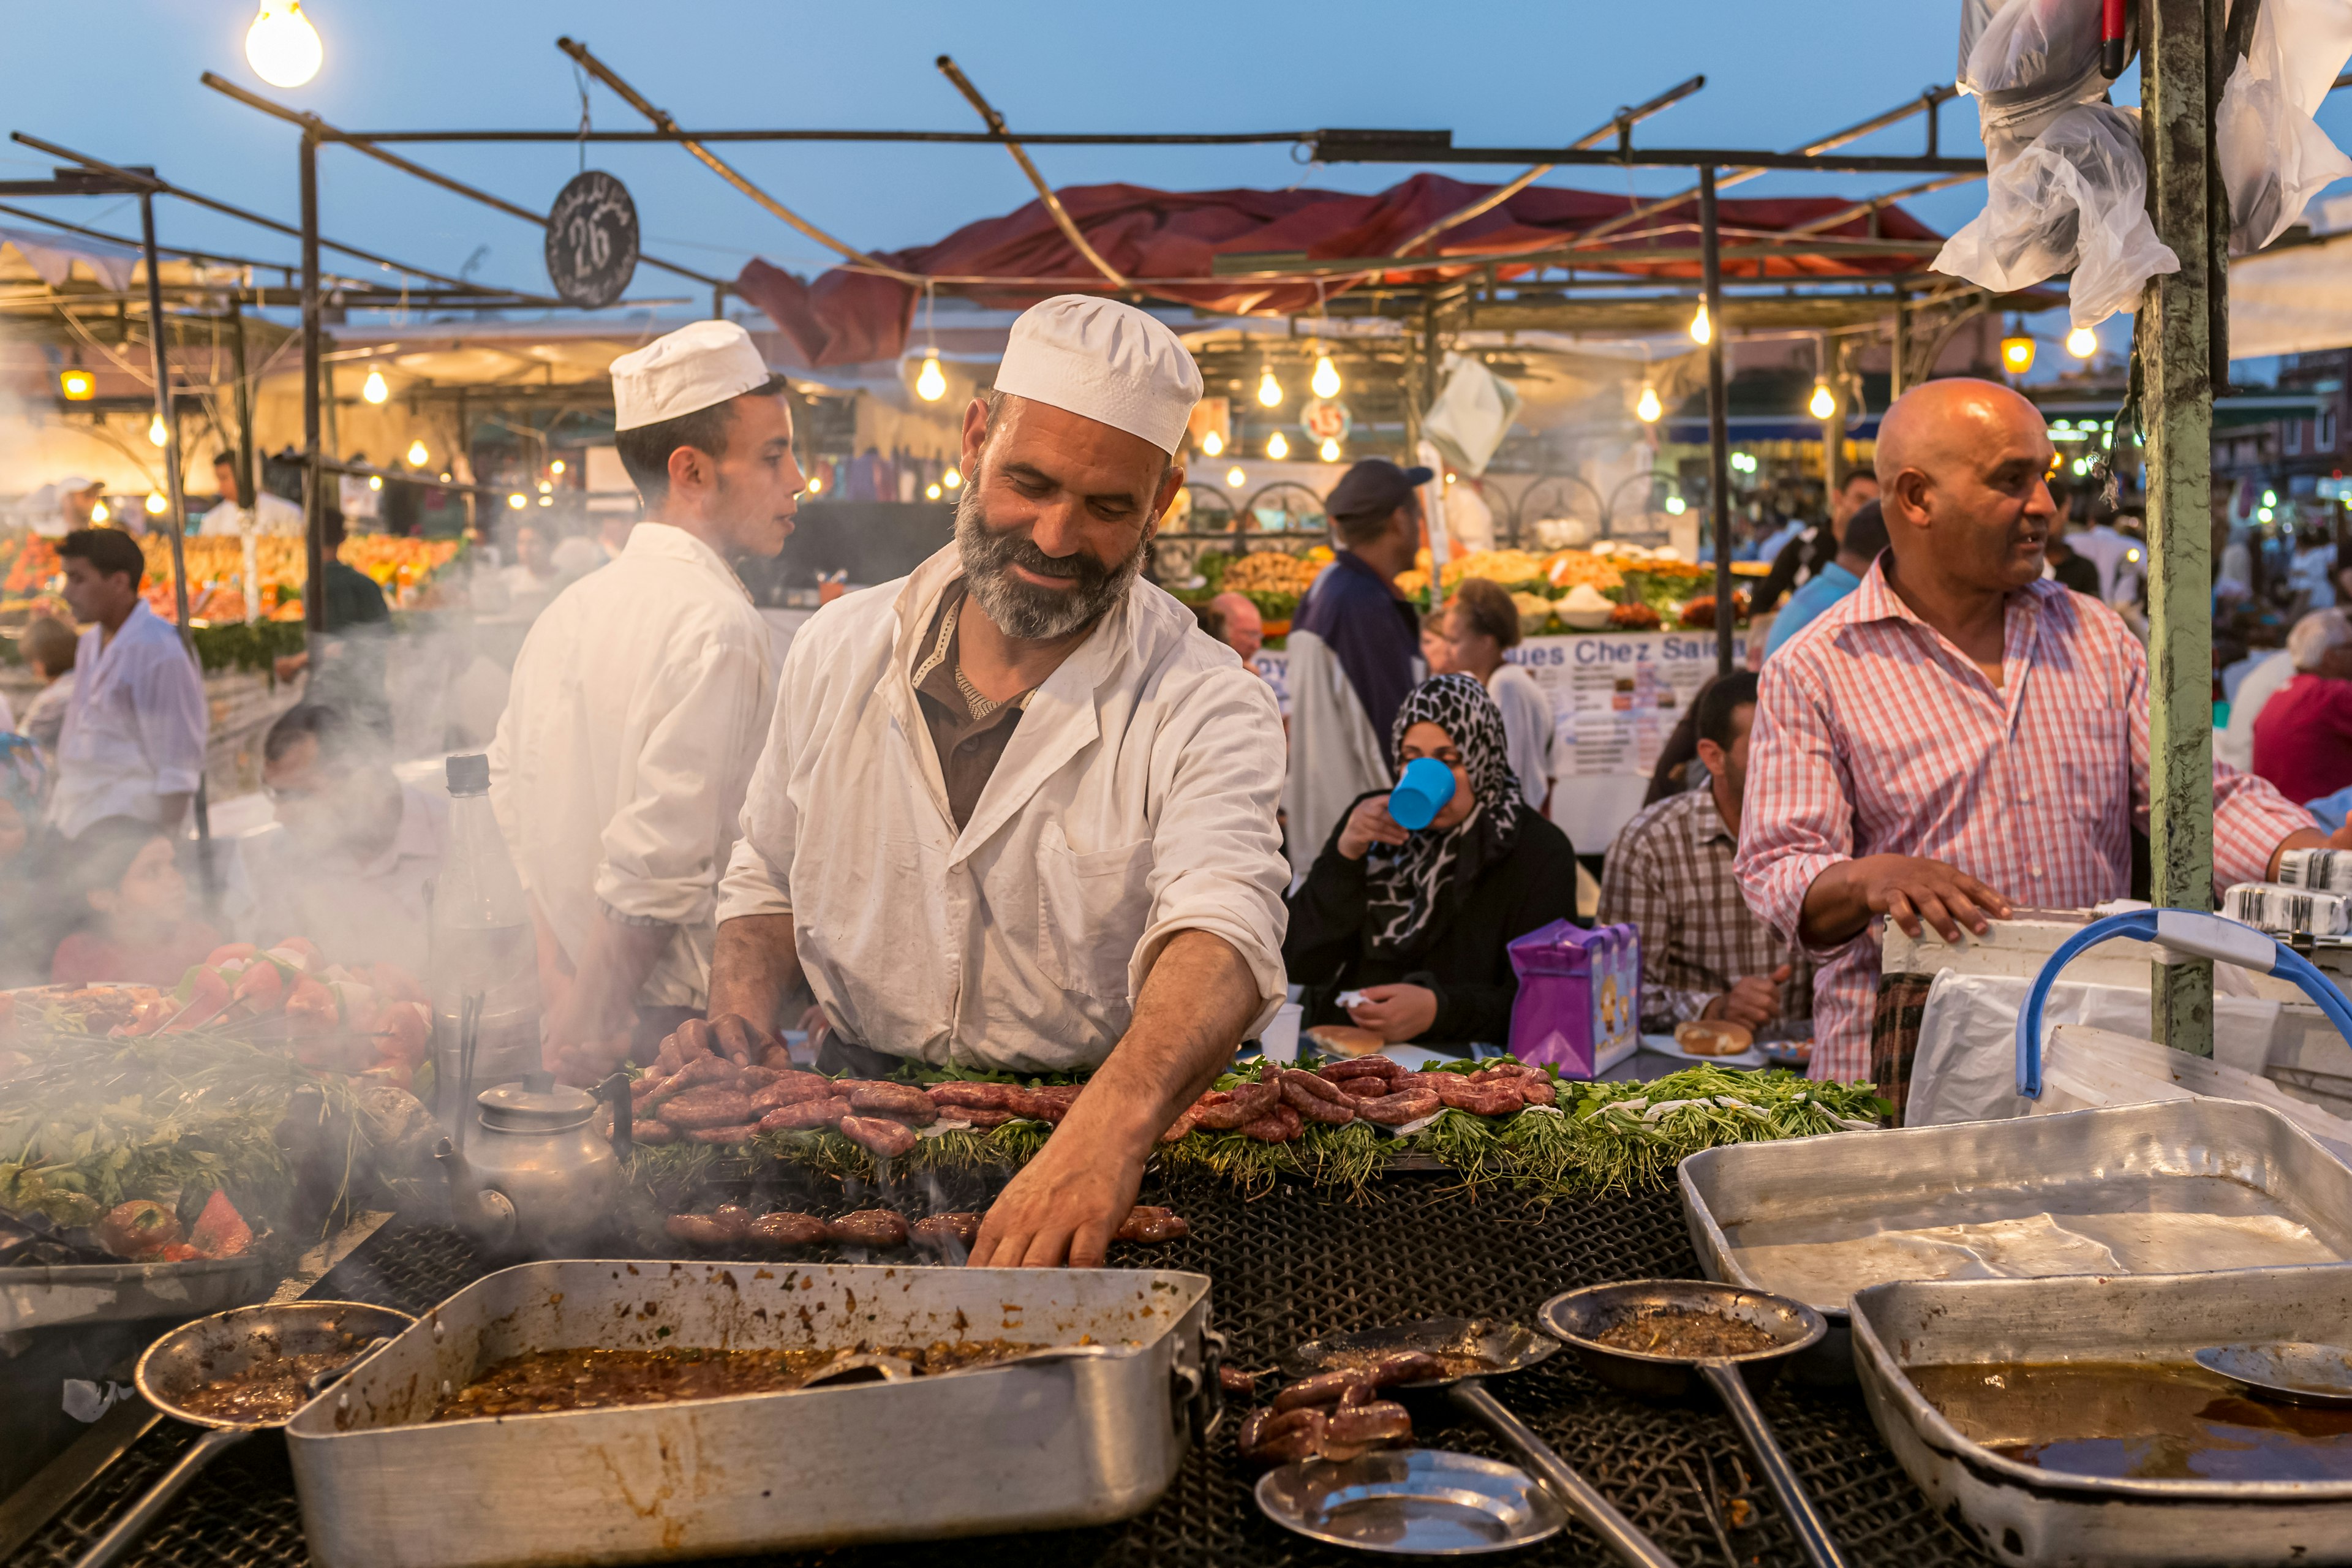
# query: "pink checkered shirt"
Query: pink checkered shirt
{"points": [[1874, 735]]}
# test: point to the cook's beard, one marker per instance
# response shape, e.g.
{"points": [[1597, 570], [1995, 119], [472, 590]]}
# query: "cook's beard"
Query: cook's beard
{"points": [[1022, 609]]}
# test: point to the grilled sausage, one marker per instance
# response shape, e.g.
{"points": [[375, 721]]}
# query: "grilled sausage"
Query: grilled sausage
{"points": [[943, 1232], [868, 1227], [1403, 1366], [972, 1096], [736, 1133], [1539, 1091], [701, 1070], [1240, 1384], [1270, 1438], [792, 1088], [709, 1106], [1279, 1125], [986, 1118], [1362, 1066], [696, 1230], [1396, 1109], [783, 1229], [734, 1219], [1459, 1093], [1317, 1099], [1222, 1110], [878, 1135], [1144, 1223], [649, 1130], [1182, 1128], [1368, 1088], [804, 1116], [1322, 1388], [1381, 1421], [902, 1100]]}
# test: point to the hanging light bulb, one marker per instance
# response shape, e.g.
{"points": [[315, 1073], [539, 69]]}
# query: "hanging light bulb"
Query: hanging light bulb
{"points": [[2016, 352], [1329, 450], [157, 433], [815, 486], [374, 389], [77, 385], [930, 384], [1701, 329], [376, 481], [1823, 402], [1647, 408], [546, 488], [1676, 505], [1235, 477], [951, 478], [97, 512], [547, 500], [418, 456], [1326, 380], [156, 505], [556, 467], [1269, 391], [1213, 444], [1276, 447], [517, 501], [932, 492], [2082, 343], [281, 46]]}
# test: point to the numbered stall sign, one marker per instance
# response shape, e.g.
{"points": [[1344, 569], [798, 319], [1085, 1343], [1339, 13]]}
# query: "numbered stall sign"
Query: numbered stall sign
{"points": [[591, 241]]}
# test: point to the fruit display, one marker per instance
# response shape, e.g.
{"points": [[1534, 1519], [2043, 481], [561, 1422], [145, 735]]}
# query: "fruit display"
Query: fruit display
{"points": [[1273, 580], [30, 572]]}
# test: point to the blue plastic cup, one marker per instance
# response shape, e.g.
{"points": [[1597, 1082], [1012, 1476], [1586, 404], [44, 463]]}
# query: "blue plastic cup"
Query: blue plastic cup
{"points": [[1421, 792]]}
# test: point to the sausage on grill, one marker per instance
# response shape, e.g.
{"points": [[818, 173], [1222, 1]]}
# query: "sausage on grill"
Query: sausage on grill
{"points": [[698, 1229], [869, 1227], [1362, 1066], [783, 1229], [1182, 1128], [972, 1096], [647, 1129], [1224, 1110], [986, 1118], [804, 1116], [1322, 1388], [1396, 1109], [709, 1106], [938, 1233], [1148, 1223], [879, 1135], [1318, 1099], [736, 1133], [1540, 1090], [902, 1100], [1279, 1125], [792, 1088], [1381, 1421], [1480, 1100], [1271, 1438]]}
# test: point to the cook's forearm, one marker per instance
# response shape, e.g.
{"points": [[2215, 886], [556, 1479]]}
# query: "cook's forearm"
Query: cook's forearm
{"points": [[1199, 998], [754, 967], [1836, 907]]}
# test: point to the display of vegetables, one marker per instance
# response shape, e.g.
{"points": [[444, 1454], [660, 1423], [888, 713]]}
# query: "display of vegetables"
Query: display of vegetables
{"points": [[29, 568]]}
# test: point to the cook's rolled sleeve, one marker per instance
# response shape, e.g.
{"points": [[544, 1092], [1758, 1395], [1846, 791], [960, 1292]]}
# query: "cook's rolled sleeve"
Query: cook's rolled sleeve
{"points": [[760, 873], [1796, 821], [1217, 864]]}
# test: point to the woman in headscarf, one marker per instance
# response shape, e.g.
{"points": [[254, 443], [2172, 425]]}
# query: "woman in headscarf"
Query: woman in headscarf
{"points": [[1417, 921]]}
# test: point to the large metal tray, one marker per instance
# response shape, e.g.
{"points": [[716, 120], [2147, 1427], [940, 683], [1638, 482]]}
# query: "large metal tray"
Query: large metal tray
{"points": [[1028, 1446], [2025, 1515], [49, 1297]]}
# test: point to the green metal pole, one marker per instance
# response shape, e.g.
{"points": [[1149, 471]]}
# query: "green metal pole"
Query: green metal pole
{"points": [[2175, 349]]}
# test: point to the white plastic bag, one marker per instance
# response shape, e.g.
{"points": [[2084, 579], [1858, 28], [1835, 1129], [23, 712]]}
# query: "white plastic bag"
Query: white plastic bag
{"points": [[2274, 158], [2027, 61], [2075, 197], [1471, 415]]}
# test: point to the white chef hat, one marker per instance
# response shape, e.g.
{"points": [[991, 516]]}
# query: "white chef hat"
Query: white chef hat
{"points": [[696, 367], [1106, 362]]}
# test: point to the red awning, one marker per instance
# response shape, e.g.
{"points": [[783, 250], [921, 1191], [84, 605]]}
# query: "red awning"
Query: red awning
{"points": [[1164, 243]]}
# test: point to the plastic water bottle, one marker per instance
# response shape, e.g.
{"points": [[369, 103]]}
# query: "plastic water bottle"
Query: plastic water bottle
{"points": [[485, 962]]}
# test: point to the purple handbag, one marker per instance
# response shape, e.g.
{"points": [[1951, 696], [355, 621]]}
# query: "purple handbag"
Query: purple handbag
{"points": [[1580, 993]]}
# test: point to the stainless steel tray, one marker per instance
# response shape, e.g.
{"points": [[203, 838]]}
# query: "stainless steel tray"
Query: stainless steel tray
{"points": [[47, 1297], [1029, 1445], [2025, 1515]]}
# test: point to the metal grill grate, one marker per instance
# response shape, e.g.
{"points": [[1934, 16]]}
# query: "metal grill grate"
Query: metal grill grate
{"points": [[1288, 1265]]}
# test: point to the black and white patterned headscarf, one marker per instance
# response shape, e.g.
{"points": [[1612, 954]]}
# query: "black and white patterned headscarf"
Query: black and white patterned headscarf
{"points": [[1412, 888]]}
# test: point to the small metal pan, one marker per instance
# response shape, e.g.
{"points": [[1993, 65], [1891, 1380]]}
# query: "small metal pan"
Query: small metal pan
{"points": [[223, 1345], [1501, 1348], [1581, 1317]]}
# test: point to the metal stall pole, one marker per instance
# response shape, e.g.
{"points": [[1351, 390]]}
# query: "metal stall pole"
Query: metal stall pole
{"points": [[314, 500], [1896, 387], [244, 479], [1718, 429], [176, 517], [2178, 402]]}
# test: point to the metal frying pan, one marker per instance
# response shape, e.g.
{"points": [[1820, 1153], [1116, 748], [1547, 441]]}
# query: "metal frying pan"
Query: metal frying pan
{"points": [[1580, 1317], [223, 1345], [1501, 1348]]}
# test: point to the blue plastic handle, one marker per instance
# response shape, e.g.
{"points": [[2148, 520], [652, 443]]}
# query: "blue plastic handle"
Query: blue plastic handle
{"points": [[2197, 931]]}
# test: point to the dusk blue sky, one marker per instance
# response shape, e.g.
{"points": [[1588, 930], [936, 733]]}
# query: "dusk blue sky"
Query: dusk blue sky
{"points": [[118, 79]]}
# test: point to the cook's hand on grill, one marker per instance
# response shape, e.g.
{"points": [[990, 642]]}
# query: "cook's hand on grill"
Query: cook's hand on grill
{"points": [[1912, 891], [1396, 1013], [1066, 1203]]}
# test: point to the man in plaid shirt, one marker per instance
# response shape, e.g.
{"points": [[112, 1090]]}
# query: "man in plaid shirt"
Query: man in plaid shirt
{"points": [[1959, 733], [1703, 956]]}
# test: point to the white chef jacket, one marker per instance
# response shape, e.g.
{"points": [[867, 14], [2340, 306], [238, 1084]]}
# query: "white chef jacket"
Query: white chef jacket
{"points": [[279, 519], [618, 771], [1135, 800], [135, 725], [357, 911], [1529, 730]]}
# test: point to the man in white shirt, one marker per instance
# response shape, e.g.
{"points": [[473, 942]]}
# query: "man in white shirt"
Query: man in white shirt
{"points": [[273, 516], [584, 553], [133, 740], [353, 850], [1017, 810], [639, 697]]}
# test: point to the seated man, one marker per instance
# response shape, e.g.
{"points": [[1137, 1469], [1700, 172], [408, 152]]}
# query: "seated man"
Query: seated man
{"points": [[1703, 956], [347, 863]]}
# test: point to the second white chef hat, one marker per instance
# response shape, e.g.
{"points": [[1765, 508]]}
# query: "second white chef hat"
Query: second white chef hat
{"points": [[1106, 362]]}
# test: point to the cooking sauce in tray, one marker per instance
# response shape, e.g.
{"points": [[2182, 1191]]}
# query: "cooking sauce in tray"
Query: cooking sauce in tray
{"points": [[2137, 1421], [596, 1379]]}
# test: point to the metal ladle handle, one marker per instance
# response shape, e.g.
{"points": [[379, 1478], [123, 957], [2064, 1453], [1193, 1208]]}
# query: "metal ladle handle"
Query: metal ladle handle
{"points": [[1577, 1495], [126, 1531], [1811, 1531]]}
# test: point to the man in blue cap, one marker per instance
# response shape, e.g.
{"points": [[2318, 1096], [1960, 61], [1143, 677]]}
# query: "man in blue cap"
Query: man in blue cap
{"points": [[1355, 651]]}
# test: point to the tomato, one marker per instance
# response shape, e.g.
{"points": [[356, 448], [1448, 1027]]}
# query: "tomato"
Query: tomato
{"points": [[310, 1008]]}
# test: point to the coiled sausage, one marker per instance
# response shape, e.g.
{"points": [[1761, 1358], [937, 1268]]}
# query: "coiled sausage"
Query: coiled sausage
{"points": [[1222, 1110], [1279, 1125], [1318, 1099], [879, 1135]]}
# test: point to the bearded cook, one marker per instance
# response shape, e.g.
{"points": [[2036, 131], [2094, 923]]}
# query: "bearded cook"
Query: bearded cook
{"points": [[1017, 811]]}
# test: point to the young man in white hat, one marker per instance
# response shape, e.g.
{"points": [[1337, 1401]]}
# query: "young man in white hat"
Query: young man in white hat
{"points": [[639, 697], [1016, 810]]}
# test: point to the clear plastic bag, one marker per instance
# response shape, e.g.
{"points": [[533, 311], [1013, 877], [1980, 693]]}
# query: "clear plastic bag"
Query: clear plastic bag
{"points": [[2027, 61], [2274, 158], [2073, 199]]}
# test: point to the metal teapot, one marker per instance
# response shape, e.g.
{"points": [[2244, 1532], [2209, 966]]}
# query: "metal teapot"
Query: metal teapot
{"points": [[536, 1176]]}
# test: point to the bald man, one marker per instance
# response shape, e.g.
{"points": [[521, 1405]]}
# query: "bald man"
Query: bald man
{"points": [[1958, 733], [1244, 628]]}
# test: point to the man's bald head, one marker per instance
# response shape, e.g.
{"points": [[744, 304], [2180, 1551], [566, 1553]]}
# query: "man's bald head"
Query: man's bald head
{"points": [[1963, 469], [1245, 628]]}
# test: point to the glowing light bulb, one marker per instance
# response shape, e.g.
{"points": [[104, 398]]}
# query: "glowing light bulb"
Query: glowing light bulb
{"points": [[546, 488], [1213, 444], [547, 500], [930, 384], [77, 385], [1676, 505], [1647, 408], [156, 505], [2082, 343], [1269, 391], [815, 486], [1326, 380], [1235, 477], [374, 389], [556, 467], [376, 481], [1823, 402], [1701, 329], [281, 46], [418, 456], [951, 478], [1329, 450], [157, 433], [2017, 354], [1449, 478], [2270, 498], [516, 503], [97, 512], [1276, 447], [932, 492]]}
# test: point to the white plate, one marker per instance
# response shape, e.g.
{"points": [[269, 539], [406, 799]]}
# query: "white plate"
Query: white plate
{"points": [[1668, 1046]]}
